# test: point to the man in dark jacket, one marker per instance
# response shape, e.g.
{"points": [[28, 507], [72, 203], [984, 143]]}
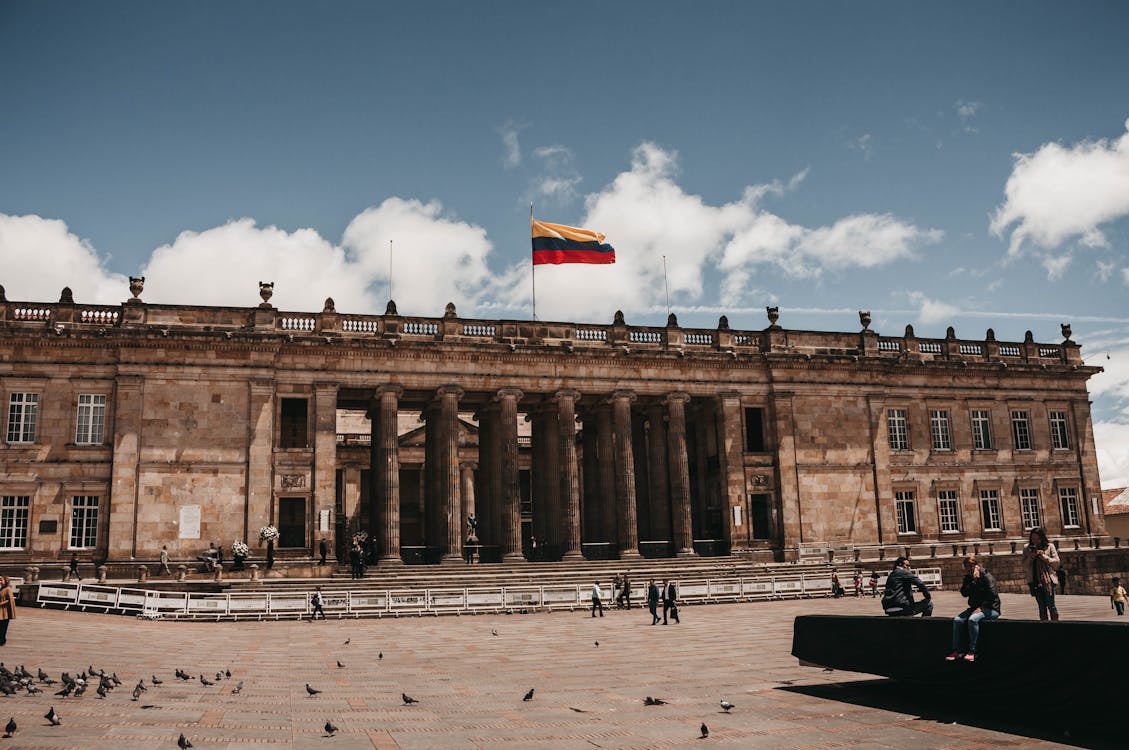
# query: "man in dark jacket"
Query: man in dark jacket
{"points": [[653, 601], [898, 599], [983, 604]]}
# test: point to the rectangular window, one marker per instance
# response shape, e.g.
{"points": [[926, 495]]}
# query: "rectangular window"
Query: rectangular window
{"points": [[84, 521], [91, 424], [1021, 430], [1060, 438], [981, 429], [23, 409], [949, 510], [293, 424], [990, 510], [1068, 498], [1029, 505], [13, 521], [896, 424], [939, 429], [754, 430], [907, 518]]}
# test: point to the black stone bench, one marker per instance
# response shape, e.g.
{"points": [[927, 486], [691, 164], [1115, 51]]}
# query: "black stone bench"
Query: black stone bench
{"points": [[1064, 675]]}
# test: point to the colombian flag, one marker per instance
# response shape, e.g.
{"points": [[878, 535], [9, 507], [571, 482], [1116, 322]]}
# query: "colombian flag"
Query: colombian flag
{"points": [[556, 243]]}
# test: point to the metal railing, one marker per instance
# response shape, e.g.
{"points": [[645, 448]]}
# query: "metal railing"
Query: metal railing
{"points": [[267, 605]]}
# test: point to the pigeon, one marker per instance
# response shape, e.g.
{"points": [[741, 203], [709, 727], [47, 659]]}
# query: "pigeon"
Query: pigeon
{"points": [[32, 689], [528, 696], [78, 691], [66, 690], [204, 681], [649, 701], [136, 692], [43, 676], [726, 706], [597, 644], [347, 641], [238, 688], [114, 679], [53, 717], [311, 690], [340, 665], [219, 676], [705, 731], [155, 681], [227, 673], [183, 742], [330, 729], [493, 632], [408, 700], [10, 727], [141, 685], [102, 692], [380, 656]]}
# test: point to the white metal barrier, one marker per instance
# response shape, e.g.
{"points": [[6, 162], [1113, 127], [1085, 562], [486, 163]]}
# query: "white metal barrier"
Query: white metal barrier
{"points": [[395, 603]]}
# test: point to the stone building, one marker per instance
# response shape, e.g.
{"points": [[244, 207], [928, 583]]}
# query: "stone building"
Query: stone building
{"points": [[135, 426]]}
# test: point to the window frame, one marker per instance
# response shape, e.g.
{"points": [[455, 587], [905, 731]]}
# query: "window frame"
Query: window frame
{"points": [[945, 497], [906, 523], [940, 426], [1030, 495], [990, 499], [1060, 439], [981, 438], [92, 513], [1021, 429], [28, 402], [13, 509], [93, 407], [1064, 494], [897, 429]]}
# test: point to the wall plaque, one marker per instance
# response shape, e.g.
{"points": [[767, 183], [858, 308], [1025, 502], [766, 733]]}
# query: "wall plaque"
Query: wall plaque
{"points": [[293, 481], [48, 527], [189, 522]]}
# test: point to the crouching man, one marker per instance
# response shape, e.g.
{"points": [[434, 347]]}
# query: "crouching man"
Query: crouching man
{"points": [[983, 595], [898, 599]]}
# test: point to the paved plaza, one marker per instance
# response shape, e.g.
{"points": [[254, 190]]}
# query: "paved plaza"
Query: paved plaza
{"points": [[470, 682]]}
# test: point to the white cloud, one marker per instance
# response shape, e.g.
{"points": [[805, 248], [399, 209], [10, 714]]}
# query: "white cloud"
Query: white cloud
{"points": [[931, 310], [863, 144], [967, 111], [41, 256], [1112, 443], [511, 155], [558, 179], [1060, 192], [1105, 270], [1125, 276], [1055, 265]]}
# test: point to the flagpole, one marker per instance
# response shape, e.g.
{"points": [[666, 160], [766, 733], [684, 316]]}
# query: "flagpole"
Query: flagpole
{"points": [[390, 297], [666, 285], [532, 265]]}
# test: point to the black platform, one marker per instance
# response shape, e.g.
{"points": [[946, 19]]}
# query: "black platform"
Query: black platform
{"points": [[1062, 675]]}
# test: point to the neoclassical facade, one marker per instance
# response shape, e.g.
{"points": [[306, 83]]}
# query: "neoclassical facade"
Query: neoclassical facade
{"points": [[135, 426]]}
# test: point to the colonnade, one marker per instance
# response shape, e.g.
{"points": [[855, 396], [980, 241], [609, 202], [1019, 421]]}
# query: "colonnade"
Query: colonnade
{"points": [[581, 493]]}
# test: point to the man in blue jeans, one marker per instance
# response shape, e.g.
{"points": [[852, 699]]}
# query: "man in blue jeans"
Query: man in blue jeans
{"points": [[983, 604], [898, 599]]}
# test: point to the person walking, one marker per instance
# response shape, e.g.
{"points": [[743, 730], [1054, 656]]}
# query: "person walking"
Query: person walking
{"points": [[1117, 597], [897, 601], [597, 595], [836, 586], [874, 583], [270, 554], [1041, 563], [355, 561], [625, 592], [317, 601], [165, 560], [858, 583], [72, 568], [7, 607], [653, 601], [323, 550], [980, 587], [670, 601]]}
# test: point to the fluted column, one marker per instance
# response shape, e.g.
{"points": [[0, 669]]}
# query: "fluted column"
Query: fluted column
{"points": [[626, 520], [450, 513], [590, 507], [466, 492], [384, 484], [547, 515], [660, 478], [679, 474], [538, 420], [605, 459], [568, 506], [508, 470]]}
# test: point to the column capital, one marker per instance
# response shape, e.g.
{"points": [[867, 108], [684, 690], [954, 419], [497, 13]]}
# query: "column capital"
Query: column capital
{"points": [[505, 393], [728, 396], [472, 465], [566, 393], [450, 390], [388, 388], [680, 396], [623, 394], [322, 386], [262, 386]]}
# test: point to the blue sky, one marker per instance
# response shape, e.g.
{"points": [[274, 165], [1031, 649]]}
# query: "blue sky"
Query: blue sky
{"points": [[960, 164]]}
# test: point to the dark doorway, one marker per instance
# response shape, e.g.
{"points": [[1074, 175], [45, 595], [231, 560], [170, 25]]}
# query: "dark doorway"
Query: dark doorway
{"points": [[760, 516], [292, 522]]}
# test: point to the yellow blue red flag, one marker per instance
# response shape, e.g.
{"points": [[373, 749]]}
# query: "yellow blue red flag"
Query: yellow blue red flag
{"points": [[557, 243]]}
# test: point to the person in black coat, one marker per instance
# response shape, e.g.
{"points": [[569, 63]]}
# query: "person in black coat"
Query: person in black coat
{"points": [[670, 601], [653, 601], [898, 601], [983, 594]]}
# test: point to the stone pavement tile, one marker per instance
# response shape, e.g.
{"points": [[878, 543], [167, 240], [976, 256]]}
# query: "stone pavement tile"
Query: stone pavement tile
{"points": [[470, 683]]}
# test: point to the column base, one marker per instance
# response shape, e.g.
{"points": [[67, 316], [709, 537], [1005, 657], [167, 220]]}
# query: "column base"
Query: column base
{"points": [[572, 555], [511, 557], [632, 554], [390, 560], [453, 559], [686, 553]]}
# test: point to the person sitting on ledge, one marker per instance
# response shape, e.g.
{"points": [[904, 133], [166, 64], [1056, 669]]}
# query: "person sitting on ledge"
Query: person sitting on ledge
{"points": [[983, 604], [898, 601]]}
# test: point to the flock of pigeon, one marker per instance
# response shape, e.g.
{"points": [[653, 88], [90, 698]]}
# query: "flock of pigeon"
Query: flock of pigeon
{"points": [[13, 682]]}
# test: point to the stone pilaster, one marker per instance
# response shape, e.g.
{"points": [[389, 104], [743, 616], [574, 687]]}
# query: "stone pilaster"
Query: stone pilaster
{"points": [[489, 480], [605, 469], [466, 492], [880, 467], [568, 508], [550, 485], [659, 484], [508, 470], [626, 519], [451, 507], [681, 520], [384, 477], [731, 453], [591, 508], [324, 495], [1083, 440], [260, 449], [128, 396], [788, 485], [538, 420]]}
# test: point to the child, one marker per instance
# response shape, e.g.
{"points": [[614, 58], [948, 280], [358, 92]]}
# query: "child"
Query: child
{"points": [[874, 583], [858, 584], [1117, 596]]}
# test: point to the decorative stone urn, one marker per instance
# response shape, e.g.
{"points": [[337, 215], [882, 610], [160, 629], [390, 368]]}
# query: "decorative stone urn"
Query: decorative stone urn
{"points": [[864, 318], [266, 291], [773, 315], [136, 286]]}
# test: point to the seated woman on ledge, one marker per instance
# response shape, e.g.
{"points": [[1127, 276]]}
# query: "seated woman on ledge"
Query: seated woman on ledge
{"points": [[983, 604]]}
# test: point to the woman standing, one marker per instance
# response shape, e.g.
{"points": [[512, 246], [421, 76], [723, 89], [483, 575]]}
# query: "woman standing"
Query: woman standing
{"points": [[7, 607], [1041, 562]]}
